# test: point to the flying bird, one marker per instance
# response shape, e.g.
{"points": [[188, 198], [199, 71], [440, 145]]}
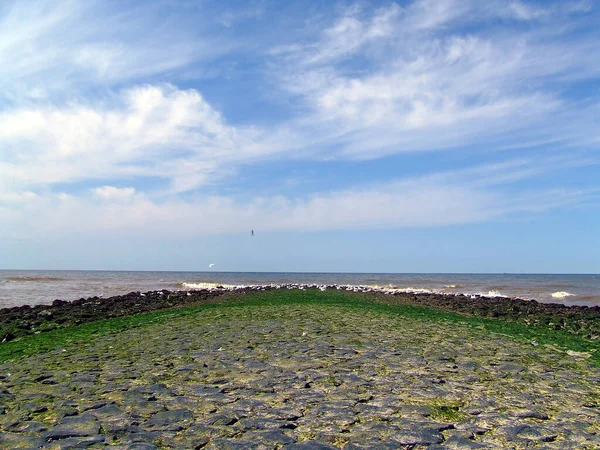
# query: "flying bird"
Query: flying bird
{"points": [[251, 232], [211, 265]]}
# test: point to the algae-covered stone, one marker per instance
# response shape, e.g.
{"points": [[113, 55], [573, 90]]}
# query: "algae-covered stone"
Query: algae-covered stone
{"points": [[301, 376]]}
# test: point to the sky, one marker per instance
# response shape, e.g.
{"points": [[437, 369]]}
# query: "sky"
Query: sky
{"points": [[411, 136]]}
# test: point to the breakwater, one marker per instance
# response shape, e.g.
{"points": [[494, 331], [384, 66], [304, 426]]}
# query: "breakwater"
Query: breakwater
{"points": [[19, 321]]}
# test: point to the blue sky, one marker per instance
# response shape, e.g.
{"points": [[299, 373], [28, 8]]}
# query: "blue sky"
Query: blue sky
{"points": [[416, 136]]}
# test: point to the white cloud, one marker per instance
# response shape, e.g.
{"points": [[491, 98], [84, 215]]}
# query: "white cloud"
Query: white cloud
{"points": [[428, 86], [372, 83], [60, 47], [114, 193], [152, 131], [472, 195]]}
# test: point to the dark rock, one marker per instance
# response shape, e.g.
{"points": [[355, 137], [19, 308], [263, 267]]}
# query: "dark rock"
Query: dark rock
{"points": [[271, 437], [169, 420], [310, 445], [261, 424], [237, 444], [462, 443], [29, 427], [78, 442], [533, 415], [141, 446], [105, 410], [96, 405], [77, 426], [381, 445], [63, 412], [417, 436], [18, 440], [220, 420]]}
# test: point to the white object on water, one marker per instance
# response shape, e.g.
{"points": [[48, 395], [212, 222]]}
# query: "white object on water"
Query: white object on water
{"points": [[211, 265]]}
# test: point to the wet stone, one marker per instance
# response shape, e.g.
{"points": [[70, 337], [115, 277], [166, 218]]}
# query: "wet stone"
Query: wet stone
{"points": [[77, 426], [78, 442], [238, 444], [271, 437], [137, 446], [169, 420], [262, 424], [417, 437], [220, 420], [456, 442], [106, 411], [373, 445], [310, 445], [533, 415], [19, 440]]}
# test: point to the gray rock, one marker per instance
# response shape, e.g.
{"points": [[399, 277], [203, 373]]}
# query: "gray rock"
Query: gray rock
{"points": [[76, 426], [78, 442], [263, 424], [106, 411], [18, 440], [370, 445], [417, 436], [220, 420], [169, 420], [238, 444], [533, 415], [141, 446], [310, 445], [456, 442], [29, 427], [271, 437]]}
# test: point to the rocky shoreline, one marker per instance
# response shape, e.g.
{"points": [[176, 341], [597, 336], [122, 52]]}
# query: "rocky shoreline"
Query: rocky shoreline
{"points": [[20, 321]]}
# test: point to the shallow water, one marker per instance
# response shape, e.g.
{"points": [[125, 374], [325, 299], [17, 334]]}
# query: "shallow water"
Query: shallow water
{"points": [[21, 287]]}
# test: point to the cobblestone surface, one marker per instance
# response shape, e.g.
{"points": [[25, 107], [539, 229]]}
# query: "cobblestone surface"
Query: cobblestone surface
{"points": [[300, 377]]}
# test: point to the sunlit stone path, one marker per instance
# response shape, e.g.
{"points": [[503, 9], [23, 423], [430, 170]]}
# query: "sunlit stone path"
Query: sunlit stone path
{"points": [[300, 377]]}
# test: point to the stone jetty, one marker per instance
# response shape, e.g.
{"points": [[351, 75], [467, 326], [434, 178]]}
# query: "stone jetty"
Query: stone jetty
{"points": [[300, 377]]}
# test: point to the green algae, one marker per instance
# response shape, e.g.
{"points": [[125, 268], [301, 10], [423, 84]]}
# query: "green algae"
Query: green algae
{"points": [[559, 340]]}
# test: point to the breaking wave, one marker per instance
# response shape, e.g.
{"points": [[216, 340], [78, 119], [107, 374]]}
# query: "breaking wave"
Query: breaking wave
{"points": [[407, 290], [208, 285], [561, 294], [491, 294]]}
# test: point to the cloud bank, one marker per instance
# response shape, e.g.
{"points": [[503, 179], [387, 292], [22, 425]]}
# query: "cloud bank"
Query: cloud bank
{"points": [[108, 114]]}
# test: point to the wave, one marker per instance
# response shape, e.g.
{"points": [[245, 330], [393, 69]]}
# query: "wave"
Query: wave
{"points": [[27, 279], [389, 289], [492, 294], [561, 294], [208, 286], [213, 285], [407, 290]]}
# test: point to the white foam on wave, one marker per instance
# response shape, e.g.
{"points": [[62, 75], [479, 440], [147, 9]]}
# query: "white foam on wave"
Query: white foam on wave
{"points": [[561, 294], [208, 286], [411, 290], [491, 294], [387, 289]]}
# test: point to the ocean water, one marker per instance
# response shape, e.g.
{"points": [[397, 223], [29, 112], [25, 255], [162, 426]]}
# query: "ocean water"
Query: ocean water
{"points": [[27, 287]]}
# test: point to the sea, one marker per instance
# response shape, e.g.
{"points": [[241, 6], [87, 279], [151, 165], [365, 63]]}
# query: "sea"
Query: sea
{"points": [[33, 287]]}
